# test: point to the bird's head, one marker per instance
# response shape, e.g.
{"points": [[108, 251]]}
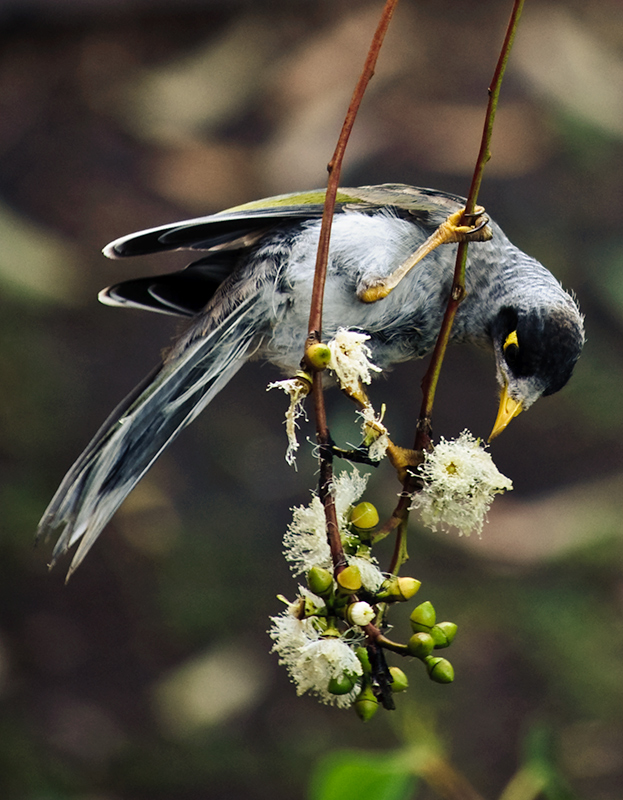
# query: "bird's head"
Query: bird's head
{"points": [[535, 352]]}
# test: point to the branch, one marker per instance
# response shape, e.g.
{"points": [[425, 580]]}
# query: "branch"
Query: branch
{"points": [[315, 316], [457, 294]]}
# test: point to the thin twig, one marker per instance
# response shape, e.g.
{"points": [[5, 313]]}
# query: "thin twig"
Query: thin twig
{"points": [[315, 316], [457, 294], [399, 518]]}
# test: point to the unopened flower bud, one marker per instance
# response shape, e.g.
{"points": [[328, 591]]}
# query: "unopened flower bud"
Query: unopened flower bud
{"points": [[320, 581], [318, 355], [421, 645], [366, 705], [400, 682], [360, 613], [342, 685], [349, 580], [398, 589], [443, 633], [423, 617], [364, 516], [440, 670], [362, 655]]}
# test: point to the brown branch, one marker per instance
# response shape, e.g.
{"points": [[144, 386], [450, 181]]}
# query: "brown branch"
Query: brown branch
{"points": [[334, 168], [457, 294], [315, 315], [400, 515]]}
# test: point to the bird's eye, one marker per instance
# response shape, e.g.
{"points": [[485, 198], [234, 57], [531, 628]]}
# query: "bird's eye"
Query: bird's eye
{"points": [[511, 348]]}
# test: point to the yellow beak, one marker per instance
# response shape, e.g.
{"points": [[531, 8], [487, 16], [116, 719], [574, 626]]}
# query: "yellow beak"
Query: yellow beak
{"points": [[508, 409]]}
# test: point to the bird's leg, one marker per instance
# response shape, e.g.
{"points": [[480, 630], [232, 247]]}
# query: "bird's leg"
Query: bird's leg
{"points": [[449, 231]]}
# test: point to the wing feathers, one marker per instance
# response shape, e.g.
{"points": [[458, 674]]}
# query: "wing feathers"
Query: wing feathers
{"points": [[137, 432]]}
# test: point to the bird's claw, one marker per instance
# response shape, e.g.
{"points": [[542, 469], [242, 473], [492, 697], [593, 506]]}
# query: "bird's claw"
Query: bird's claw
{"points": [[451, 230]]}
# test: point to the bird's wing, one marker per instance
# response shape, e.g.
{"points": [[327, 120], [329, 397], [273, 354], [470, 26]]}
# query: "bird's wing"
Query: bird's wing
{"points": [[138, 430], [241, 226], [230, 233]]}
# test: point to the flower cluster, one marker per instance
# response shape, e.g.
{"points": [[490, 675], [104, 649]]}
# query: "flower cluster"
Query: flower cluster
{"points": [[305, 541], [350, 359], [460, 483], [318, 658]]}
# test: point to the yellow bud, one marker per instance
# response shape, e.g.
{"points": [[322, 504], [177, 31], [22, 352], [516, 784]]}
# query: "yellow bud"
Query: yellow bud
{"points": [[318, 356], [364, 516], [349, 580]]}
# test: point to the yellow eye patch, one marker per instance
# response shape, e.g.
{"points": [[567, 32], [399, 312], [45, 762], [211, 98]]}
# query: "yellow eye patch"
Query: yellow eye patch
{"points": [[510, 340]]}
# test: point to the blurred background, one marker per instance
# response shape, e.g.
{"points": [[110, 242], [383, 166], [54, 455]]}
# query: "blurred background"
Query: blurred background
{"points": [[149, 675]]}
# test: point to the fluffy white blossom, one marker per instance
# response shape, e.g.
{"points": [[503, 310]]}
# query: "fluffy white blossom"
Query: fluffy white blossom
{"points": [[371, 575], [305, 541], [297, 389], [313, 661], [373, 423], [350, 359], [460, 482]]}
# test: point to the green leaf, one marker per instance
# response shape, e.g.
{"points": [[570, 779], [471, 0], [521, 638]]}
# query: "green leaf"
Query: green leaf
{"points": [[359, 775]]}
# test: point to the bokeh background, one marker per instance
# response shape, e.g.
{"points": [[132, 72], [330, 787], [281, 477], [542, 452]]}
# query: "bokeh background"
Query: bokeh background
{"points": [[149, 675]]}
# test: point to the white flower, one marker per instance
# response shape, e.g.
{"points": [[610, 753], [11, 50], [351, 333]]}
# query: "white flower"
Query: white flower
{"points": [[460, 482], [373, 428], [313, 661], [360, 613], [350, 359], [305, 542], [297, 389]]}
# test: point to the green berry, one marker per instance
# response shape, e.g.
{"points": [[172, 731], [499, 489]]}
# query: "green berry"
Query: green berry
{"points": [[366, 705], [423, 617], [421, 645], [342, 685], [440, 670], [364, 516], [443, 633], [320, 581], [400, 682], [362, 655]]}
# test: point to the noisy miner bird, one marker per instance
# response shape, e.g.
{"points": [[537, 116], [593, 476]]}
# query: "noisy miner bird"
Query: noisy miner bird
{"points": [[248, 295]]}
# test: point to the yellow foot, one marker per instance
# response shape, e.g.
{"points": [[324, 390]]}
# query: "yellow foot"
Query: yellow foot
{"points": [[403, 460], [449, 231]]}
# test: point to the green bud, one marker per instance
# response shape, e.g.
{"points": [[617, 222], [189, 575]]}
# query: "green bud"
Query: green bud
{"points": [[318, 355], [311, 609], [364, 516], [440, 670], [342, 685], [320, 581], [366, 705], [443, 633], [400, 681], [421, 645], [331, 630], [349, 580], [362, 655], [423, 617]]}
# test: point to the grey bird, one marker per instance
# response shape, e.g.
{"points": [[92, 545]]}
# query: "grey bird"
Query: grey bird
{"points": [[248, 295]]}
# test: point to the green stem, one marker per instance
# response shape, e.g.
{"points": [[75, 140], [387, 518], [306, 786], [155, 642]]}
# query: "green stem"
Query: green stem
{"points": [[457, 293]]}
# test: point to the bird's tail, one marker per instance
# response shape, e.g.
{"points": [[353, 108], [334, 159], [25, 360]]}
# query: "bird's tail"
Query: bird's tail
{"points": [[141, 427]]}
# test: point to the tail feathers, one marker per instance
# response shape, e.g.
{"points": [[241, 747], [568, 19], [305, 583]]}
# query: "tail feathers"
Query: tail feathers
{"points": [[140, 428]]}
